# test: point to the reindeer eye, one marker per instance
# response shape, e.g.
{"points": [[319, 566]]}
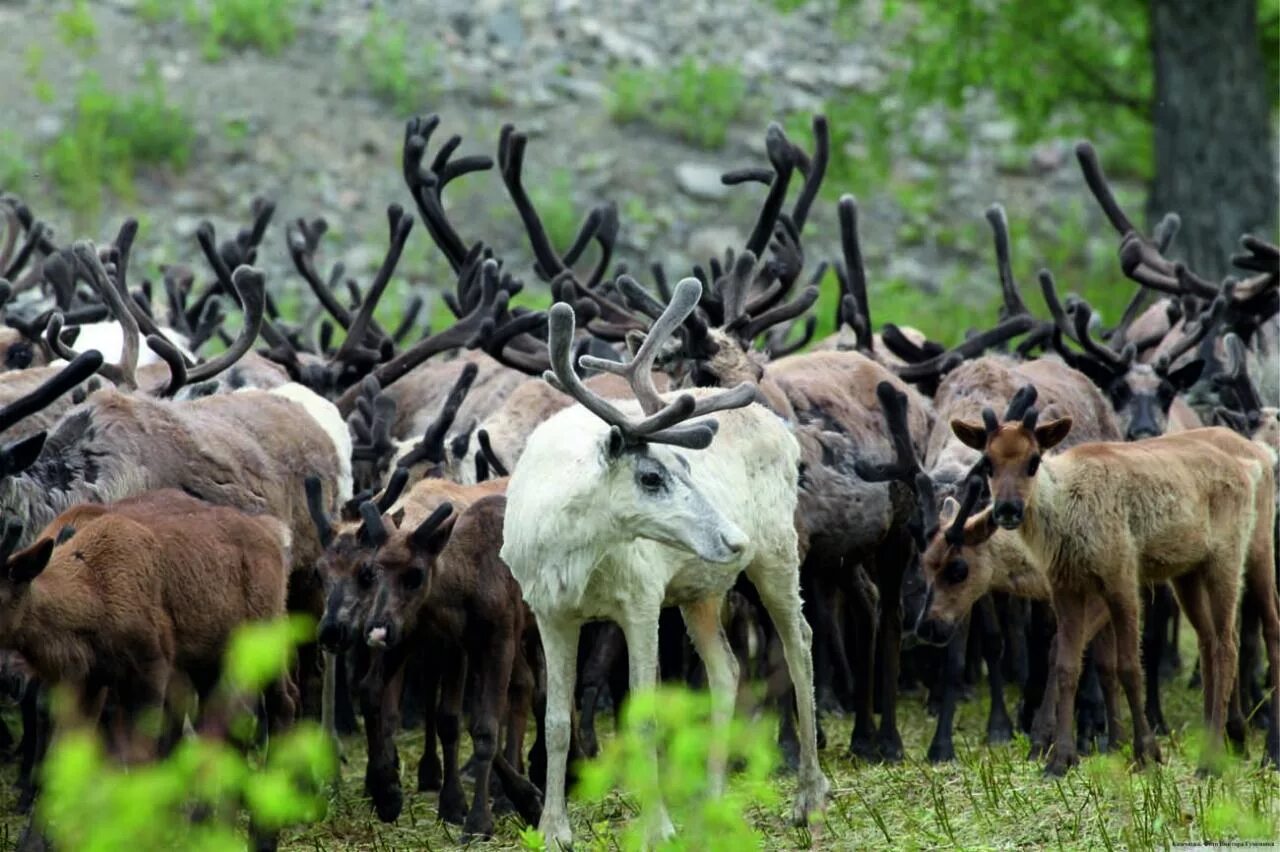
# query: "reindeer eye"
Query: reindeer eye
{"points": [[956, 571], [364, 577], [1033, 465], [414, 579], [650, 480], [19, 356]]}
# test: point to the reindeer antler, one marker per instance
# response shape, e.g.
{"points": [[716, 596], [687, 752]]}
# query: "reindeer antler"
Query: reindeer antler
{"points": [[905, 467], [662, 423]]}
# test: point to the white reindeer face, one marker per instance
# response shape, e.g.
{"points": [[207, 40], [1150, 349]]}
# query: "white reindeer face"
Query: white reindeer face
{"points": [[657, 499]]}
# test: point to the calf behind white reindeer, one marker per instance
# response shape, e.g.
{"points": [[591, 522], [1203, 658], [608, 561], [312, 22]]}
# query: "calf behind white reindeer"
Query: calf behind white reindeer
{"points": [[608, 519]]}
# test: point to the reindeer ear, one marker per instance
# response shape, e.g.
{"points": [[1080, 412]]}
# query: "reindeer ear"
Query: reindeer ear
{"points": [[979, 529], [970, 435], [397, 516], [950, 507], [1050, 434], [20, 455], [26, 565], [433, 534]]}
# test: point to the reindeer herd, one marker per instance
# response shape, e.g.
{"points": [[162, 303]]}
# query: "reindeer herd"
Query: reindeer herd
{"points": [[496, 520]]}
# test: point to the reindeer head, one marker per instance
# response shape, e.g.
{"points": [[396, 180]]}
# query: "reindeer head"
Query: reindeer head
{"points": [[348, 567], [406, 564], [958, 569], [638, 470], [1011, 452]]}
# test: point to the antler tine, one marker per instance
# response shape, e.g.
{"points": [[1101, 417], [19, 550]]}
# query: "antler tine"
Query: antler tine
{"points": [[315, 506], [906, 466], [778, 347], [1235, 375], [779, 314], [1166, 229], [90, 265], [853, 276], [1013, 304], [639, 298], [928, 370], [12, 227], [1118, 363], [734, 286], [302, 238], [81, 367], [431, 447], [639, 370], [1260, 256], [1021, 403], [1050, 292], [972, 491], [815, 170], [172, 357], [1101, 190], [469, 331], [782, 159], [395, 487], [401, 224], [250, 288], [1204, 324], [427, 187], [511, 149], [372, 532]]}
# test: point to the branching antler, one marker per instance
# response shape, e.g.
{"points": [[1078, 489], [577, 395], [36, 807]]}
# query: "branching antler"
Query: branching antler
{"points": [[662, 423]]}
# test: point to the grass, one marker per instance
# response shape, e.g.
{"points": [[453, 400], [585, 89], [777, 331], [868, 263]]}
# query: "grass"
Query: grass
{"points": [[15, 169], [694, 101], [110, 135], [394, 67], [991, 797], [76, 27], [264, 25]]}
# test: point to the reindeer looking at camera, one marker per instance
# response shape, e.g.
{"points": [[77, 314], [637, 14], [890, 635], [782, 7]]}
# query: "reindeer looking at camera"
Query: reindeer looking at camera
{"points": [[1196, 509]]}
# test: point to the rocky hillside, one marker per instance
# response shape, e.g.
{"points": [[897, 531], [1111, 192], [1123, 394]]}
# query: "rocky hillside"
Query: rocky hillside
{"points": [[318, 126]]}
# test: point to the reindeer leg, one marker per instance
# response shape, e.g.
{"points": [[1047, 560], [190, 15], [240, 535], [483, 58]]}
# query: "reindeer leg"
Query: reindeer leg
{"points": [[452, 804], [1155, 631], [493, 644], [861, 640], [560, 648], [999, 726], [1070, 609], [780, 593], [1124, 607], [891, 560], [1223, 609], [942, 749], [707, 632], [640, 626], [430, 773]]}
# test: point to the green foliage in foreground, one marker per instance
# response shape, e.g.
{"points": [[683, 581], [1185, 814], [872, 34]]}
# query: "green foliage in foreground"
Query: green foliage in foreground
{"points": [[696, 102], [109, 135], [91, 804]]}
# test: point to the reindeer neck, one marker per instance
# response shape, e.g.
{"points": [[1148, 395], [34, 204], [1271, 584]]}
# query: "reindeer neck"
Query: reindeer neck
{"points": [[1044, 525]]}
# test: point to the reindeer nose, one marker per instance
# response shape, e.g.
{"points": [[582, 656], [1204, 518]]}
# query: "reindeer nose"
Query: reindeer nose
{"points": [[1008, 513], [735, 540], [1140, 434]]}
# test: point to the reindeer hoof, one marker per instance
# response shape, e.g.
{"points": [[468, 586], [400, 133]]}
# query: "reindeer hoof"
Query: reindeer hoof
{"points": [[1060, 764], [477, 829], [1039, 750], [811, 798], [388, 802], [864, 748], [891, 748], [941, 752], [453, 805], [1000, 733]]}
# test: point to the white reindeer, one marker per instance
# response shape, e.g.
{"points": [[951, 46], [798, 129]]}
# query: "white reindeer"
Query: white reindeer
{"points": [[606, 519]]}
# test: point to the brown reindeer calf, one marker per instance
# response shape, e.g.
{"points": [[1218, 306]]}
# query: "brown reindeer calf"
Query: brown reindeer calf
{"points": [[444, 595], [1196, 509], [121, 597]]}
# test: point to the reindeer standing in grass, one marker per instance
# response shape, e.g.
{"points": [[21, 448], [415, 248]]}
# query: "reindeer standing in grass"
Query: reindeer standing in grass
{"points": [[608, 519], [1196, 509]]}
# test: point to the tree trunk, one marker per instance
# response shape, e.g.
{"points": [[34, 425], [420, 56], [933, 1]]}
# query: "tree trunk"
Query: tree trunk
{"points": [[1215, 156]]}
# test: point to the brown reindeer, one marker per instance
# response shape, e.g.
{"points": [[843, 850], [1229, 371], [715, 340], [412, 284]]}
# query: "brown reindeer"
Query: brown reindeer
{"points": [[1195, 508], [121, 597]]}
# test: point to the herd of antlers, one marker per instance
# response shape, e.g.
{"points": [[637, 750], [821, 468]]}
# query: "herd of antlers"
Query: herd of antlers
{"points": [[461, 511]]}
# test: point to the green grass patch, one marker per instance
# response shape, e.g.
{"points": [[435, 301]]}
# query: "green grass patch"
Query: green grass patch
{"points": [[263, 25], [109, 135], [76, 27], [694, 101], [394, 66]]}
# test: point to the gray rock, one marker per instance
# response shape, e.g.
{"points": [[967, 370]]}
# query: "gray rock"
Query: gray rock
{"points": [[700, 181], [506, 28]]}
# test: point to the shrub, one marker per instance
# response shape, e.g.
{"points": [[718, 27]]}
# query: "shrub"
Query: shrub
{"points": [[265, 25], [108, 136], [76, 27], [91, 804], [693, 101], [393, 71]]}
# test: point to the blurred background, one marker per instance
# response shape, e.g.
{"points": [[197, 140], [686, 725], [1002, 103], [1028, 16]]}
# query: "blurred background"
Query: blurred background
{"points": [[176, 111]]}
